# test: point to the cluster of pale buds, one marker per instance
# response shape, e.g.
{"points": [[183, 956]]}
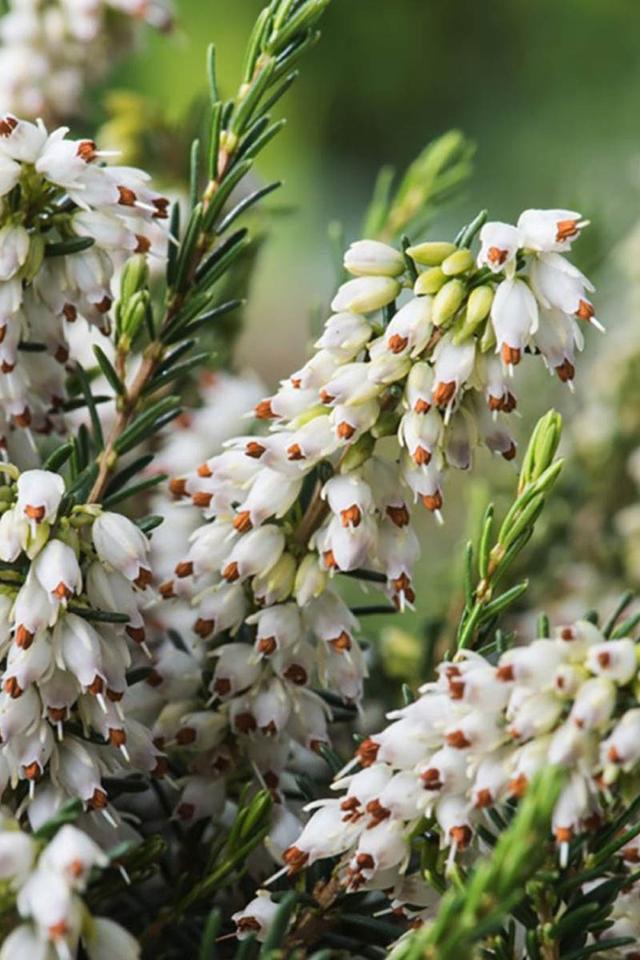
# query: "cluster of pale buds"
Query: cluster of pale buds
{"points": [[51, 52], [72, 628], [471, 742], [53, 191], [368, 424], [47, 883]]}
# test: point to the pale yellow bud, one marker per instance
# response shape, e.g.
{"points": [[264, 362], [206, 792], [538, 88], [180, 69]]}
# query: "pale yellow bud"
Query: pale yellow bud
{"points": [[478, 309], [365, 294], [277, 584], [372, 258], [447, 301], [457, 263], [431, 254], [429, 282]]}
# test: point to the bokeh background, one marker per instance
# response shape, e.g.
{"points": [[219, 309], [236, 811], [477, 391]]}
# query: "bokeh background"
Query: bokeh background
{"points": [[548, 92]]}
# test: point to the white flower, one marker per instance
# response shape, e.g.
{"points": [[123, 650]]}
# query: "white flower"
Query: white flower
{"points": [[514, 315], [17, 855], [499, 244], [73, 854], [108, 940], [453, 364], [14, 247], [557, 283], [256, 552], [256, 918], [58, 572], [121, 544], [550, 230], [39, 495]]}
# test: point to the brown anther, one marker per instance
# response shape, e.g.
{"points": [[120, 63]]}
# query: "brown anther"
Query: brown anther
{"points": [[271, 779], [76, 868], [203, 627], [166, 589], [421, 456], [161, 768], [495, 403], [115, 696], [269, 729], [294, 452], [32, 770], [23, 637], [57, 931], [396, 343], [496, 255], [630, 854], [154, 679], [7, 367], [432, 501], [3, 332], [61, 354], [352, 516], [87, 150], [518, 786], [457, 740], [565, 229], [398, 515], [510, 452], [443, 393], [329, 560], [117, 737], [98, 800], [127, 197], [222, 686], [62, 591], [57, 714], [177, 487], [255, 450], [461, 836], [231, 572], [341, 643], [566, 371], [12, 687], [604, 659], [296, 382], [201, 499], [7, 126], [185, 736], [184, 569], [326, 397], [23, 419], [137, 634], [143, 245], [421, 405], [104, 305], [70, 312], [484, 798], [402, 584], [245, 722], [567, 633], [456, 689], [204, 471], [185, 811], [431, 779], [248, 925], [510, 355], [377, 812], [266, 646], [264, 410], [345, 430], [242, 521], [295, 859], [613, 755], [367, 752], [505, 673], [350, 804], [297, 674], [563, 834], [162, 208], [364, 861], [143, 579], [96, 686]]}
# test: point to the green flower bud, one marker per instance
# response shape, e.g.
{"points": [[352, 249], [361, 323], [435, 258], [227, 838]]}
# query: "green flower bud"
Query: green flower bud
{"points": [[488, 339], [386, 425], [135, 277], [478, 309], [277, 584], [448, 301], [458, 262], [134, 313], [358, 453], [35, 256], [431, 254], [429, 282]]}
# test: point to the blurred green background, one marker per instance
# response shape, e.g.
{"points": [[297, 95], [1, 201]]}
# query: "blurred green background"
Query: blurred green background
{"points": [[548, 91]]}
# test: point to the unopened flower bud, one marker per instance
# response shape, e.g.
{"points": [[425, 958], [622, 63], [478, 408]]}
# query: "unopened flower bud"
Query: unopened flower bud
{"points": [[365, 294], [456, 263], [430, 281], [372, 258], [431, 254], [447, 302]]}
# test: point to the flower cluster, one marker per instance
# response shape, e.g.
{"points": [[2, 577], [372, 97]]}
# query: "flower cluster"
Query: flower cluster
{"points": [[53, 191], [52, 51], [47, 883], [405, 355], [473, 740], [71, 596]]}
